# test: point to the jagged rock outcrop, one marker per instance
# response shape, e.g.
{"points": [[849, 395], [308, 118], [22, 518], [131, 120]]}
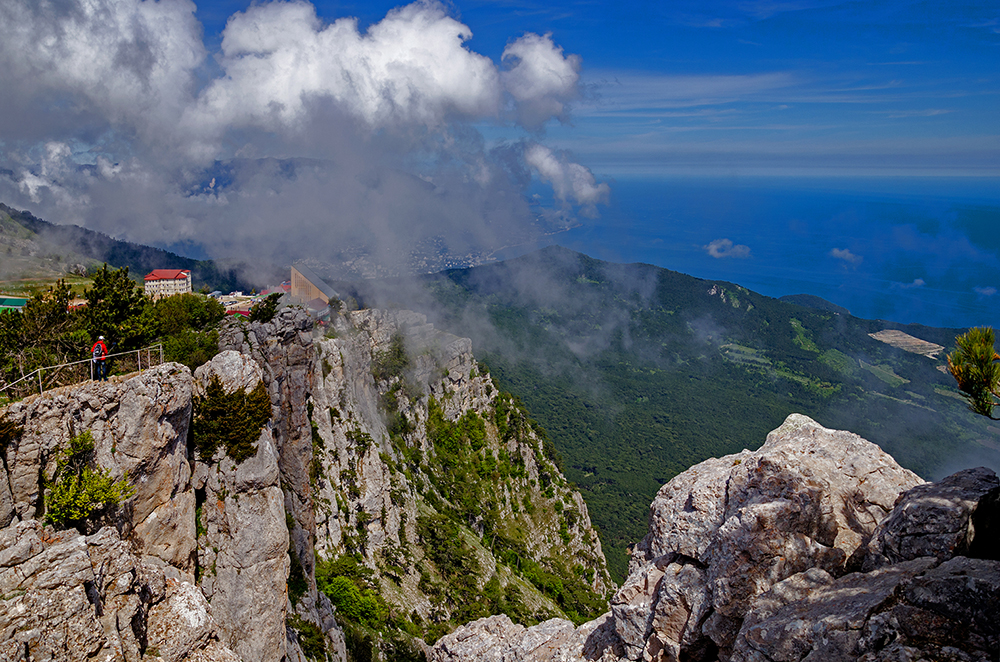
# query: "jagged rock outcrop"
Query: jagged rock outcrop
{"points": [[140, 427], [726, 531], [243, 550], [65, 596], [378, 466], [758, 557], [222, 540]]}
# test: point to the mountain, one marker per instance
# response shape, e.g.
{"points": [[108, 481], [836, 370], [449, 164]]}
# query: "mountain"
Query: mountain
{"points": [[39, 249], [310, 493], [637, 372]]}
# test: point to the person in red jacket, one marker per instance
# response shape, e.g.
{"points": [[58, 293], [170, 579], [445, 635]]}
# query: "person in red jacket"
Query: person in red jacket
{"points": [[99, 352]]}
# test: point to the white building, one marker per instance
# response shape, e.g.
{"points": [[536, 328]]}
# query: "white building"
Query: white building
{"points": [[166, 282]]}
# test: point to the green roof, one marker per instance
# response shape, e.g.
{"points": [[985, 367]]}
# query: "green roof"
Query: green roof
{"points": [[12, 302]]}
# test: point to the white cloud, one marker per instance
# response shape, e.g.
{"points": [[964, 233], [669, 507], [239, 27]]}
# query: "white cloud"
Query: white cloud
{"points": [[412, 67], [313, 132], [726, 248], [985, 291], [917, 282], [540, 78], [846, 255], [570, 181], [129, 62]]}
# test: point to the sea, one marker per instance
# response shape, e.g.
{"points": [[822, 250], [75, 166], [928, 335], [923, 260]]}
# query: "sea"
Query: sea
{"points": [[920, 250]]}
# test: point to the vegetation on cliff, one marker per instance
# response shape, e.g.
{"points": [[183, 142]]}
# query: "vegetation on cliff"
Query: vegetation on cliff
{"points": [[230, 420], [81, 491]]}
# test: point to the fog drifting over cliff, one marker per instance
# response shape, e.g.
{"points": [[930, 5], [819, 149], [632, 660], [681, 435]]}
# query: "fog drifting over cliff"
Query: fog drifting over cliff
{"points": [[297, 137]]}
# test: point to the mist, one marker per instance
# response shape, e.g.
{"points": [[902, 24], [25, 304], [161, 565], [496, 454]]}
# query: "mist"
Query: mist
{"points": [[296, 138]]}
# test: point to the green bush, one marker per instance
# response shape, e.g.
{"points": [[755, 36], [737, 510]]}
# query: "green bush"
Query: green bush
{"points": [[392, 362], [231, 420], [266, 309], [81, 491], [311, 638]]}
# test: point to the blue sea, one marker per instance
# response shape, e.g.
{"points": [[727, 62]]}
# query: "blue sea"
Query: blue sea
{"points": [[912, 250]]}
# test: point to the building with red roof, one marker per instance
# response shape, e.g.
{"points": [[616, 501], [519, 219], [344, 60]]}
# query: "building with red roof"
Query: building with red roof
{"points": [[161, 283]]}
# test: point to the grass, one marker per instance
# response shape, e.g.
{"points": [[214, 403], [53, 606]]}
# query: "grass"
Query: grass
{"points": [[26, 287]]}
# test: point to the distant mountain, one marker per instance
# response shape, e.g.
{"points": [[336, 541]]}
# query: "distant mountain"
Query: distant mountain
{"points": [[813, 301], [40, 247], [638, 372]]}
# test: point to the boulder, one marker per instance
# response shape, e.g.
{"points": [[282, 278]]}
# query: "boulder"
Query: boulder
{"points": [[727, 530], [938, 519], [555, 640], [914, 610]]}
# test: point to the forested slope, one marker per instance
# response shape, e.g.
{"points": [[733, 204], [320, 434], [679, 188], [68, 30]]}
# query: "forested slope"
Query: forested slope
{"points": [[637, 372]]}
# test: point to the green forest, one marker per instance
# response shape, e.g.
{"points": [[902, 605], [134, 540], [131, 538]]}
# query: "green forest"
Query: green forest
{"points": [[638, 372]]}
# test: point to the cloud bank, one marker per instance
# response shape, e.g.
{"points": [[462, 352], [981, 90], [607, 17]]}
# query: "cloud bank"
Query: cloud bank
{"points": [[300, 137]]}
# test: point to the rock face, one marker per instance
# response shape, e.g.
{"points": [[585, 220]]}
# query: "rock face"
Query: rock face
{"points": [[939, 519], [243, 552], [727, 530], [379, 467], [140, 428], [214, 557], [66, 596], [758, 557]]}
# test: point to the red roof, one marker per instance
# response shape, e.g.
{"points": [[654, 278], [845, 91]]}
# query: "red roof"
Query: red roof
{"points": [[167, 274]]}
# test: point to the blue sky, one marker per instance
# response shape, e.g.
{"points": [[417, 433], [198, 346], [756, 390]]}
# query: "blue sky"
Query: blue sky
{"points": [[282, 130], [864, 88]]}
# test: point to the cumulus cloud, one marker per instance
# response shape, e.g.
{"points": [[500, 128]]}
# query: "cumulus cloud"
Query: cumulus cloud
{"points": [[70, 63], [540, 79], [917, 282], [985, 291], [846, 255], [411, 67], [299, 135], [571, 182], [726, 248]]}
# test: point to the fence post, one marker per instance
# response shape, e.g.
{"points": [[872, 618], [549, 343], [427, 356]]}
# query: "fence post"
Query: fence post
{"points": [[39, 381], [138, 359]]}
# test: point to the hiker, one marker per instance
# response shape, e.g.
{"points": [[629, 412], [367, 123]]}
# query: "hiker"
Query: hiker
{"points": [[100, 354]]}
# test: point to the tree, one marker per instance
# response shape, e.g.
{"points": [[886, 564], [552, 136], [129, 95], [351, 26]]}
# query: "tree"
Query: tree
{"points": [[115, 307], [974, 365]]}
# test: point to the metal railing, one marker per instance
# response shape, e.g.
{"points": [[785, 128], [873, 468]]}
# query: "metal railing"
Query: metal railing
{"points": [[75, 372]]}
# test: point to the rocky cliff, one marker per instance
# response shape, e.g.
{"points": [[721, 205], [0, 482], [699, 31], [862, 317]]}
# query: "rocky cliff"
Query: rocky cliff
{"points": [[817, 546], [307, 494]]}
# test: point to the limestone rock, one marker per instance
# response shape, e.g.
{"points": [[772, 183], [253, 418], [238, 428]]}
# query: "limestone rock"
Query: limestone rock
{"points": [[823, 619], [66, 596], [140, 425], [498, 639], [808, 498], [243, 553], [936, 519], [913, 610]]}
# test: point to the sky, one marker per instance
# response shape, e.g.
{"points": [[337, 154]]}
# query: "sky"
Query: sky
{"points": [[293, 129]]}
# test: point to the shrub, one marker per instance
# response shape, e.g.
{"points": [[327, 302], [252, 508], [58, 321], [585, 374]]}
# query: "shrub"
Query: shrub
{"points": [[232, 420], [79, 490], [266, 309], [391, 362]]}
